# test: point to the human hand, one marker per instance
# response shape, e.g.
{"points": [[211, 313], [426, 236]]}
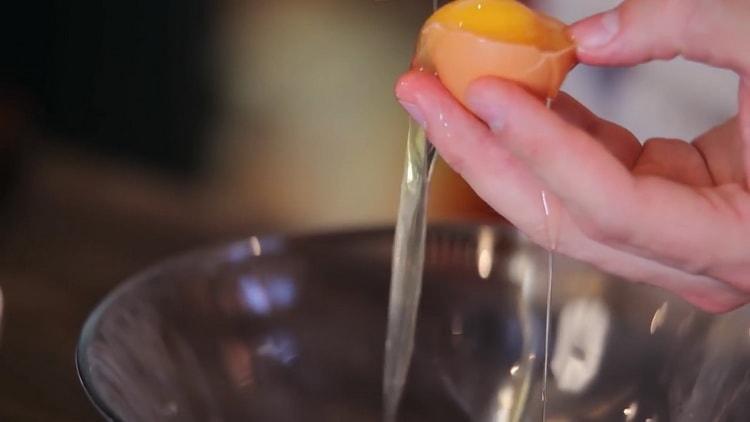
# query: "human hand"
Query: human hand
{"points": [[670, 213]]}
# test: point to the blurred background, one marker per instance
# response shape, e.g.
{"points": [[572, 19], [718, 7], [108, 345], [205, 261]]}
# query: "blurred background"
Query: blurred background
{"points": [[134, 130]]}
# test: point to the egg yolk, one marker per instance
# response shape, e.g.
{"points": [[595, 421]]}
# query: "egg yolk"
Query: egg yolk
{"points": [[467, 39]]}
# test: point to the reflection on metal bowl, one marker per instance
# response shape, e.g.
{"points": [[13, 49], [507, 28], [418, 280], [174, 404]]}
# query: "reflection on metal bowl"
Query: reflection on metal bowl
{"points": [[288, 329]]}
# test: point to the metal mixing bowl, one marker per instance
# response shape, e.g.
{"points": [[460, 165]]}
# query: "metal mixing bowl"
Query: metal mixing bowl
{"points": [[279, 329]]}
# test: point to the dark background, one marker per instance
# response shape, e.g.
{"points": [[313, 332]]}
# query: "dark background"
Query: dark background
{"points": [[109, 160], [129, 79], [88, 91]]}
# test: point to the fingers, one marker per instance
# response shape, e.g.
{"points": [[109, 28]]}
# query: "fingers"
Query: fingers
{"points": [[705, 292], [680, 226], [743, 122], [675, 160], [709, 31], [615, 138], [578, 169], [722, 148], [507, 183], [467, 145]]}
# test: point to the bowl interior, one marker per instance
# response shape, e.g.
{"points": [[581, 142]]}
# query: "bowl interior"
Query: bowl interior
{"points": [[288, 329]]}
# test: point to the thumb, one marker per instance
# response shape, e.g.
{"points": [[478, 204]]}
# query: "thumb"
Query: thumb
{"points": [[709, 31]]}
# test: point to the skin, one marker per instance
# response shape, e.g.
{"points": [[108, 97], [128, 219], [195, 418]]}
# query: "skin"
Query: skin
{"points": [[670, 213]]}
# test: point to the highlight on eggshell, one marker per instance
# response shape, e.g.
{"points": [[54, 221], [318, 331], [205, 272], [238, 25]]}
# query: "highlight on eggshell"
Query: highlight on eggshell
{"points": [[468, 39]]}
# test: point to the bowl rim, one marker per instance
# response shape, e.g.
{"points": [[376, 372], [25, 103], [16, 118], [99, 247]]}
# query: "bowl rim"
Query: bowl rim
{"points": [[278, 244]]}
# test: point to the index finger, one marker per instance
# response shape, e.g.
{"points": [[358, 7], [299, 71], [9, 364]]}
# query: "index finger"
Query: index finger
{"points": [[619, 141], [697, 230]]}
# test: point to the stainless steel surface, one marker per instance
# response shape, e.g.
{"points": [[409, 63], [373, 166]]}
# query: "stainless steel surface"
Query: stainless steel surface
{"points": [[288, 329]]}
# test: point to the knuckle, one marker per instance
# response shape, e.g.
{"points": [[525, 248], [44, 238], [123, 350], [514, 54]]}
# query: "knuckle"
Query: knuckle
{"points": [[603, 229], [660, 145]]}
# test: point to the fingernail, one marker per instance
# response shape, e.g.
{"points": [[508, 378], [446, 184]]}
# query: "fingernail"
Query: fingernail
{"points": [[491, 112], [415, 112], [597, 31]]}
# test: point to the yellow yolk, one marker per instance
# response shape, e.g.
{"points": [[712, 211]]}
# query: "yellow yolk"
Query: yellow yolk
{"points": [[468, 39]]}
